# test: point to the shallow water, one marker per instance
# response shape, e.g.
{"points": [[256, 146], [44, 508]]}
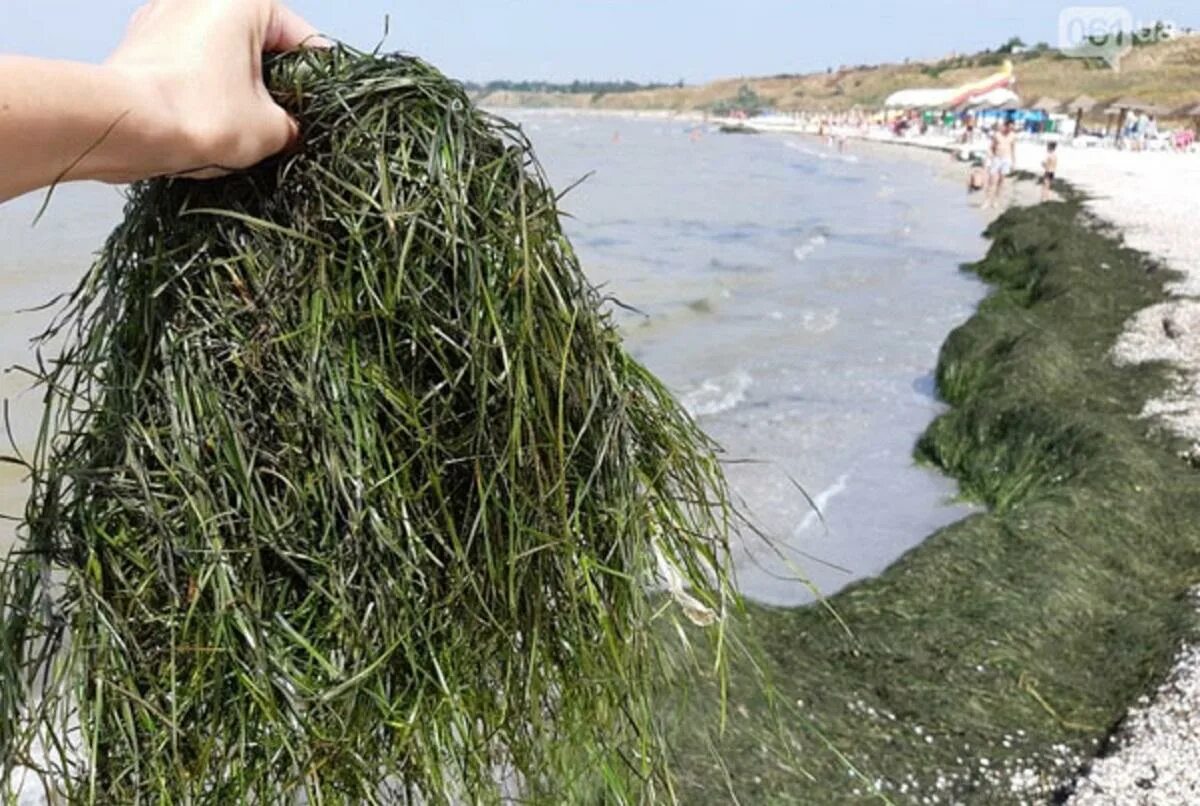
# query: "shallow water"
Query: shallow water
{"points": [[796, 299], [793, 297], [37, 263]]}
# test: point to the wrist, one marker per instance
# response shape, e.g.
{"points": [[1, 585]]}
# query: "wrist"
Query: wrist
{"points": [[63, 121], [136, 135]]}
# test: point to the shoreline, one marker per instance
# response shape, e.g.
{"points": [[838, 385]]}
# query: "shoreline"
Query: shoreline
{"points": [[1157, 221], [996, 661], [1151, 753], [1146, 753]]}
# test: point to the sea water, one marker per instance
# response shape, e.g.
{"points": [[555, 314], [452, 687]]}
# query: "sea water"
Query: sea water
{"points": [[792, 296], [795, 298]]}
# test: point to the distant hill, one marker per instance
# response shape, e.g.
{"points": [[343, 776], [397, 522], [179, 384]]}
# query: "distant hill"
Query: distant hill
{"points": [[574, 88], [1166, 74]]}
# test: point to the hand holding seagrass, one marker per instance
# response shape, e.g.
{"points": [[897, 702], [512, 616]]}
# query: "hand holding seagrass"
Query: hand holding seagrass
{"points": [[182, 94]]}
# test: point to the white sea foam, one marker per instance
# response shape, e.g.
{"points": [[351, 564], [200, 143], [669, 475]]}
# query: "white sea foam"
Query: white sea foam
{"points": [[716, 395], [819, 322], [805, 250]]}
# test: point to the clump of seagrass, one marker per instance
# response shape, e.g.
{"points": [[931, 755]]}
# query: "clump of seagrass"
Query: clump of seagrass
{"points": [[347, 490]]}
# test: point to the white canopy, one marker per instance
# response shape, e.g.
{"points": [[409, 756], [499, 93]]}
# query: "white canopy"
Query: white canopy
{"points": [[939, 99], [919, 99]]}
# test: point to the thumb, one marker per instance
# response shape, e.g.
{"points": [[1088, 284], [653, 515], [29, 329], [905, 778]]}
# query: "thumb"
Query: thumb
{"points": [[275, 131]]}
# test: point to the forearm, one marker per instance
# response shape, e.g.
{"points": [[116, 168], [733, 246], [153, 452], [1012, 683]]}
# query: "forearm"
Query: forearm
{"points": [[64, 121]]}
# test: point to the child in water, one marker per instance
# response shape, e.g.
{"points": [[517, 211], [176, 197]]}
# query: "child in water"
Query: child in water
{"points": [[1049, 167], [977, 178]]}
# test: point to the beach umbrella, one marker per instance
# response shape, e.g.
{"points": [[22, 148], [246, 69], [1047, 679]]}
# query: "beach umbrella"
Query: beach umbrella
{"points": [[1084, 103], [1123, 107], [1192, 112], [1046, 104], [1126, 105]]}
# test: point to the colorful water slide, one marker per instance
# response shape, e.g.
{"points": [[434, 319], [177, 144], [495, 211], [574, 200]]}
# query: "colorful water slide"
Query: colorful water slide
{"points": [[987, 91]]}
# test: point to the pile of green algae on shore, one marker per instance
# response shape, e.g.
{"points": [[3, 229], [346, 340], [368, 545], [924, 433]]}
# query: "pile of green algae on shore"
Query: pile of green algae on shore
{"points": [[990, 663], [348, 492]]}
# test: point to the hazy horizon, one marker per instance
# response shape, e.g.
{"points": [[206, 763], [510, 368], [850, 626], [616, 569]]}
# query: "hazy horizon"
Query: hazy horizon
{"points": [[646, 42]]}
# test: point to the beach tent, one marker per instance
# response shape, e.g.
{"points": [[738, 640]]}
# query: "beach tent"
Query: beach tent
{"points": [[951, 98], [996, 99], [916, 99], [994, 116]]}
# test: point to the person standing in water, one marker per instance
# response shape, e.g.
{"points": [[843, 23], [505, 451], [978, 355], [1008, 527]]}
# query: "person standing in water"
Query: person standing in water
{"points": [[1004, 157]]}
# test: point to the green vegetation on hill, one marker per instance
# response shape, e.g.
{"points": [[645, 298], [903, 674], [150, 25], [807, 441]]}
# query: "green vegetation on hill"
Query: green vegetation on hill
{"points": [[747, 102], [984, 664]]}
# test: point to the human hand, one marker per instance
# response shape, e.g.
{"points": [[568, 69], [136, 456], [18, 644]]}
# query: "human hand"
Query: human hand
{"points": [[196, 65]]}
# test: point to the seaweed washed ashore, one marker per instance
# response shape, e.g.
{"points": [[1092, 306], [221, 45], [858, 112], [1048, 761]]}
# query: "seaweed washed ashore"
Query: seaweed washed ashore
{"points": [[347, 490], [994, 662]]}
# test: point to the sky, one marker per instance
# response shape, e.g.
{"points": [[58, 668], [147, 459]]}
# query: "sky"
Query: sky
{"points": [[640, 40]]}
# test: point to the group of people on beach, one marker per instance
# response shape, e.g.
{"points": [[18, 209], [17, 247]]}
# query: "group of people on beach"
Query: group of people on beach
{"points": [[988, 174], [1139, 129]]}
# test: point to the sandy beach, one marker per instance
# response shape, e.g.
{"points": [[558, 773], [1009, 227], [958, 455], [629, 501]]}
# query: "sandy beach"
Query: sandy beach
{"points": [[1151, 198]]}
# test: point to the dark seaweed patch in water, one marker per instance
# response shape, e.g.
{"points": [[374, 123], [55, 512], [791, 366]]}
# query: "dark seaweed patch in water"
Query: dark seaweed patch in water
{"points": [[926, 385], [1008, 645], [717, 265], [732, 235], [604, 242]]}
